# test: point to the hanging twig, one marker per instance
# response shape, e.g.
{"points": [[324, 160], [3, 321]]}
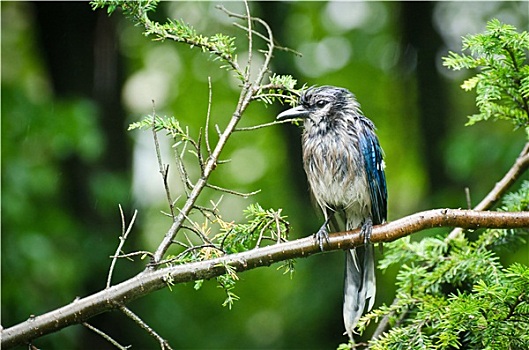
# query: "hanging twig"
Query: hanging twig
{"points": [[106, 336], [164, 169], [163, 343]]}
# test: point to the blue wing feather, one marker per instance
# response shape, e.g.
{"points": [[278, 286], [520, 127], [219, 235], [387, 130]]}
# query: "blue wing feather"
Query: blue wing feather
{"points": [[376, 178]]}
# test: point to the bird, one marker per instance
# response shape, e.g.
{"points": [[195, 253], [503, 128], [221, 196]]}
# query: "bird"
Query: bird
{"points": [[345, 169]]}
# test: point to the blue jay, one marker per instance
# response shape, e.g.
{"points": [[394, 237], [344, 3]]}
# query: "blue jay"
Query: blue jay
{"points": [[345, 170]]}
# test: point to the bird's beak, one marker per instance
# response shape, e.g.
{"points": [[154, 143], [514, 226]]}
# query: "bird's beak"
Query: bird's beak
{"points": [[293, 113]]}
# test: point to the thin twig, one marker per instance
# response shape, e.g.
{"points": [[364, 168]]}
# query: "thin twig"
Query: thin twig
{"points": [[384, 323], [206, 210], [267, 97], [269, 41], [208, 116], [250, 42], [236, 193], [260, 126], [187, 250], [105, 336], [199, 151], [163, 343], [198, 247], [164, 170], [136, 253], [217, 129], [122, 239], [254, 32], [467, 195], [196, 231], [184, 177], [261, 234], [271, 86], [278, 220]]}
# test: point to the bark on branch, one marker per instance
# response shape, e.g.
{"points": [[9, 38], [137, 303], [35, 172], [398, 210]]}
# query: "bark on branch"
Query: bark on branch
{"points": [[150, 280]]}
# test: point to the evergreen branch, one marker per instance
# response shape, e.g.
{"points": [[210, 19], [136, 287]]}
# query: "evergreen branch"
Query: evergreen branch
{"points": [[151, 280], [501, 84], [219, 45]]}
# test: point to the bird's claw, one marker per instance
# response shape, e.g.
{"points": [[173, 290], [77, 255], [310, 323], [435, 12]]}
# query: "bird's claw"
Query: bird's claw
{"points": [[322, 235], [365, 231]]}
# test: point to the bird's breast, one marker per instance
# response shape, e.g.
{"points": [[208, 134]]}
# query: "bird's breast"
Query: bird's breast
{"points": [[333, 166]]}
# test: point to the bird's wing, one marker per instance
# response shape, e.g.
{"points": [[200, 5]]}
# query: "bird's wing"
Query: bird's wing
{"points": [[376, 178]]}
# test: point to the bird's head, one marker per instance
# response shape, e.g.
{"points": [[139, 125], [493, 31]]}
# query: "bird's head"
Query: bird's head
{"points": [[323, 105]]}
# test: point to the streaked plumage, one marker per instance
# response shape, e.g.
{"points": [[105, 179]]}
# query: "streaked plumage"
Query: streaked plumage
{"points": [[345, 170]]}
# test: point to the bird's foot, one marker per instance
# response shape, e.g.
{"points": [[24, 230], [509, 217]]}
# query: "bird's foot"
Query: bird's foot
{"points": [[322, 235], [365, 231]]}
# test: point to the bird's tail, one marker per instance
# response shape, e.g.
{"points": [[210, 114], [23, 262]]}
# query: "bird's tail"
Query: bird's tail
{"points": [[359, 285]]}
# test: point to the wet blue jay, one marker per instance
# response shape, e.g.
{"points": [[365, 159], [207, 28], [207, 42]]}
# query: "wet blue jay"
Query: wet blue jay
{"points": [[345, 170]]}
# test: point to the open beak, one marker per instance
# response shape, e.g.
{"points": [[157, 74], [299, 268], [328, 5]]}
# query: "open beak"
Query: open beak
{"points": [[293, 113]]}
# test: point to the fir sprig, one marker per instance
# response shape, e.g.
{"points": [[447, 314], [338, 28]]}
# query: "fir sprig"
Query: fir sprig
{"points": [[502, 84], [456, 294], [221, 46]]}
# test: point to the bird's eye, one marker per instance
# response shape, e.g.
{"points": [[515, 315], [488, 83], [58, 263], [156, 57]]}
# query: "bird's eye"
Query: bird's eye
{"points": [[321, 103]]}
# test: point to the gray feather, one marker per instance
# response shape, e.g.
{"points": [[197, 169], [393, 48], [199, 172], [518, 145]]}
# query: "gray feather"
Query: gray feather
{"points": [[359, 285]]}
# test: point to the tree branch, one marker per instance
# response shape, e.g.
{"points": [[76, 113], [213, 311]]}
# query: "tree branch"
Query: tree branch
{"points": [[245, 98], [518, 168], [149, 281]]}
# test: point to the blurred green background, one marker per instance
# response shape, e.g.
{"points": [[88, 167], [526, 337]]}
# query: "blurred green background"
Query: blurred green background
{"points": [[72, 81]]}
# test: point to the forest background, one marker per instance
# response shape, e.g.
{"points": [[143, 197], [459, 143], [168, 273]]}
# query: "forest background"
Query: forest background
{"points": [[73, 79]]}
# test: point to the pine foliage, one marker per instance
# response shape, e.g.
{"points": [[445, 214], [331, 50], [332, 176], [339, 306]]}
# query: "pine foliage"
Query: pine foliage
{"points": [[502, 84], [456, 294]]}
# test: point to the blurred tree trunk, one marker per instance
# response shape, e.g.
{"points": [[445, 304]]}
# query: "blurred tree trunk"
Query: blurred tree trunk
{"points": [[80, 51], [420, 46]]}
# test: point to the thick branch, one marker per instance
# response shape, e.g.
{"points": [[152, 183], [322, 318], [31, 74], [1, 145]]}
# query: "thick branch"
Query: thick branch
{"points": [[149, 281]]}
